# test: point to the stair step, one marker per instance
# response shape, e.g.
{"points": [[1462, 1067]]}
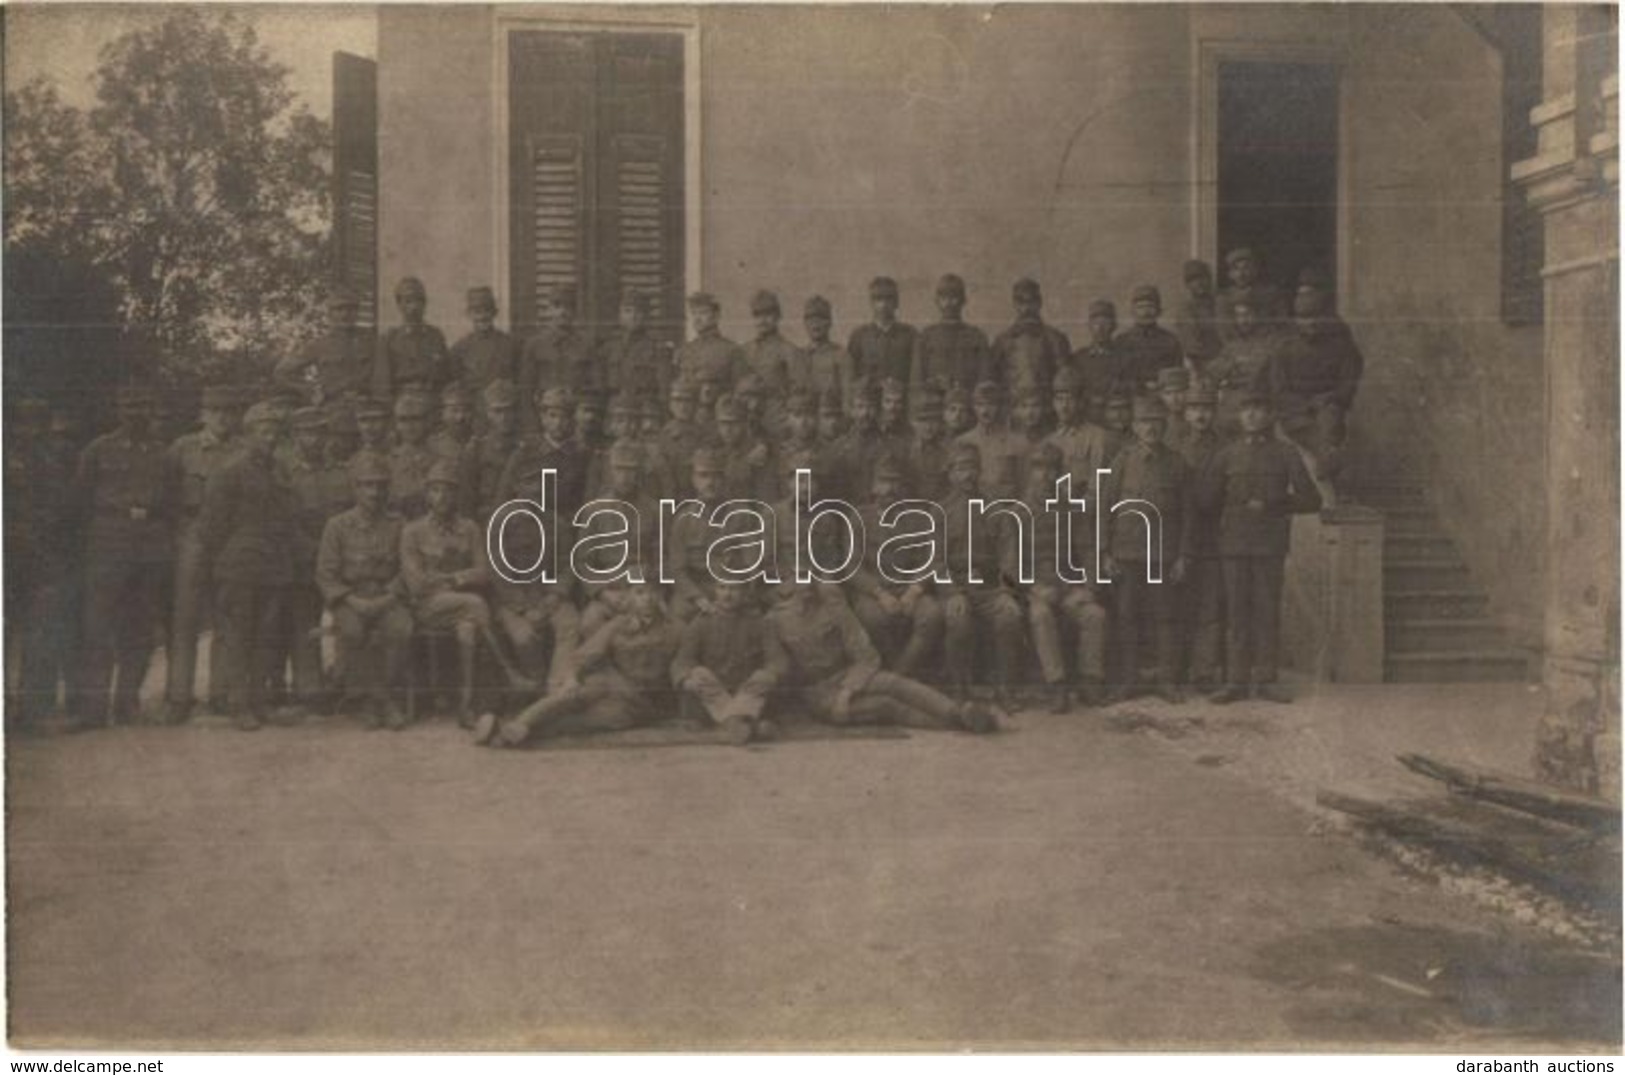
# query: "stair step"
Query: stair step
{"points": [[1377, 495], [1437, 603], [1417, 545], [1457, 666], [1421, 634], [1433, 573]]}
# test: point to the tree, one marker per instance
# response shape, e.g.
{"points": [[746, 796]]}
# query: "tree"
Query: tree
{"points": [[196, 183]]}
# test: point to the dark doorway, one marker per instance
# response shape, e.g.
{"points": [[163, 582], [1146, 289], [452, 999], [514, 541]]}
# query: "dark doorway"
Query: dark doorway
{"points": [[1278, 165]]}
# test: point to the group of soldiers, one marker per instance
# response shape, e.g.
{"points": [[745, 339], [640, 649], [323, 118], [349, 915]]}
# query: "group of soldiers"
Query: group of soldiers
{"points": [[334, 524]]}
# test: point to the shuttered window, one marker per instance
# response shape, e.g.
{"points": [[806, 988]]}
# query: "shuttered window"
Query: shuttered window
{"points": [[355, 179]]}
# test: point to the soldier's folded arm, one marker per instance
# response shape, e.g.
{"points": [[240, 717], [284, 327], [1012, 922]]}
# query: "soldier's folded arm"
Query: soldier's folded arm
{"points": [[860, 652], [1303, 495]]}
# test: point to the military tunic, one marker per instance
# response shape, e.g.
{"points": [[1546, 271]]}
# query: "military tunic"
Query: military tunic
{"points": [[952, 354], [412, 356], [1028, 353], [711, 357], [193, 460], [360, 558], [336, 368], [881, 351], [484, 356]]}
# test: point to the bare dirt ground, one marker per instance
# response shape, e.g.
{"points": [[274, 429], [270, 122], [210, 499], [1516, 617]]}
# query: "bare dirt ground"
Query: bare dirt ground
{"points": [[1067, 884]]}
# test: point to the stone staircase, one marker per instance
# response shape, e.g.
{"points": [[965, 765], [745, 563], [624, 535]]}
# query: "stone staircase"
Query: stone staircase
{"points": [[1436, 620]]}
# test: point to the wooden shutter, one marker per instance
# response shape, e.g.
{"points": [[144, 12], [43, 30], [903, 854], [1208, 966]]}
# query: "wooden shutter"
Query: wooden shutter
{"points": [[355, 179], [557, 211]]}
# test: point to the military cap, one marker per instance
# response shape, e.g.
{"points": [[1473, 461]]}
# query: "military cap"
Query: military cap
{"points": [[703, 300], [1240, 253], [261, 412], [830, 403], [764, 302], [1045, 455], [801, 401], [369, 467], [887, 466], [410, 285], [1197, 270], [951, 284], [481, 298], [684, 389], [443, 472], [1255, 397], [341, 297], [1315, 277], [456, 392], [1026, 288], [707, 461], [964, 452], [625, 454], [1173, 377], [891, 386], [1147, 293], [219, 397], [987, 392], [1066, 380], [882, 285], [1103, 308], [309, 418], [135, 395], [501, 393], [817, 306], [1147, 408], [957, 397], [1202, 393], [371, 408], [927, 403], [412, 405], [558, 399], [729, 410]]}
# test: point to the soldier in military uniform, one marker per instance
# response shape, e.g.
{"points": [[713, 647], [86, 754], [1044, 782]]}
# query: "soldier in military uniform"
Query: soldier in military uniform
{"points": [[445, 570], [822, 365], [1256, 483], [905, 623], [1052, 598], [892, 420], [559, 356], [926, 455], [1314, 377], [1083, 444], [651, 419], [619, 678], [248, 532], [410, 459], [770, 356], [124, 483], [709, 357], [343, 438], [413, 354], [957, 415], [1196, 321], [996, 449], [885, 346], [336, 368], [1245, 363], [1247, 285], [857, 449], [193, 460], [42, 559], [358, 571], [1116, 414], [1029, 351], [832, 423], [950, 353], [636, 366], [558, 450], [1145, 348], [321, 489], [490, 450], [587, 422], [976, 605], [726, 664], [1173, 382], [605, 600], [372, 426], [1028, 429], [451, 440], [1096, 362], [801, 431], [689, 536], [538, 620], [1149, 471], [833, 671], [487, 353], [1203, 605]]}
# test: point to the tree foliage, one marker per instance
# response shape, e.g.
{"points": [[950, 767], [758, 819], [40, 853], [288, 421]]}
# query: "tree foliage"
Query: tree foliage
{"points": [[196, 183]]}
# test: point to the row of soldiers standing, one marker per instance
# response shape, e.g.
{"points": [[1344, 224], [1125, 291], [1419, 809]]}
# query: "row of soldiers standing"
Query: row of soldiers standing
{"points": [[307, 510]]}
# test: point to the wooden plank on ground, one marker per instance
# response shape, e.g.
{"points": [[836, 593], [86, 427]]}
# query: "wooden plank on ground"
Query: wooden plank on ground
{"points": [[1529, 796]]}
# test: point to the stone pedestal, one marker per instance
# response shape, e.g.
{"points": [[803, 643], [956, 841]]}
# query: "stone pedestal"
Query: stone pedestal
{"points": [[1331, 616]]}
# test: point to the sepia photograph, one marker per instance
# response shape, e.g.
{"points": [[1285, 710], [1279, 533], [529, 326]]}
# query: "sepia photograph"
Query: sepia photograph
{"points": [[825, 528]]}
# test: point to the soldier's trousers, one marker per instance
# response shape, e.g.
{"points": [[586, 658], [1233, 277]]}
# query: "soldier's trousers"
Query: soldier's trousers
{"points": [[723, 705], [187, 614], [1252, 594], [254, 618], [304, 640], [974, 616], [49, 629], [1203, 620], [1047, 606], [123, 599], [606, 701], [1319, 427], [907, 638], [372, 649], [1142, 602], [543, 637]]}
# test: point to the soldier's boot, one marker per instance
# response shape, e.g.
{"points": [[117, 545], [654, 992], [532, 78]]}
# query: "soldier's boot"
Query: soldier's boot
{"points": [[485, 728], [1089, 693], [977, 718], [765, 731], [466, 651]]}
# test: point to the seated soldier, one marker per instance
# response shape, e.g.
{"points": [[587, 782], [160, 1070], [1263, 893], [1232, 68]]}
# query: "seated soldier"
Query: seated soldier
{"points": [[1314, 377], [444, 566], [977, 608], [603, 600], [833, 671], [538, 619], [905, 623], [725, 664], [358, 572], [619, 678]]}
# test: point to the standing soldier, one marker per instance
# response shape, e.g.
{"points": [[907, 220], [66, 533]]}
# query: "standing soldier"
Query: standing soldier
{"points": [[858, 448], [751, 469], [801, 430], [926, 457], [727, 665], [822, 365], [413, 354], [1247, 285], [709, 356], [1197, 319], [1084, 445], [248, 530], [1116, 413], [337, 367], [372, 427], [358, 571], [45, 577], [1029, 351], [558, 356], [905, 623], [996, 450], [1173, 383], [885, 346], [976, 607], [1203, 628], [124, 484], [451, 440], [487, 353], [558, 450], [678, 439], [636, 366], [1141, 543], [1097, 363], [1314, 377], [1245, 363], [410, 459], [950, 353], [193, 460], [1256, 483], [1145, 348], [321, 489], [770, 356], [489, 452]]}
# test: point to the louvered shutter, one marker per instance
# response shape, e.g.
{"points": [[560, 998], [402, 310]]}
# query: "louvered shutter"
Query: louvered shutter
{"points": [[355, 179], [557, 214]]}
